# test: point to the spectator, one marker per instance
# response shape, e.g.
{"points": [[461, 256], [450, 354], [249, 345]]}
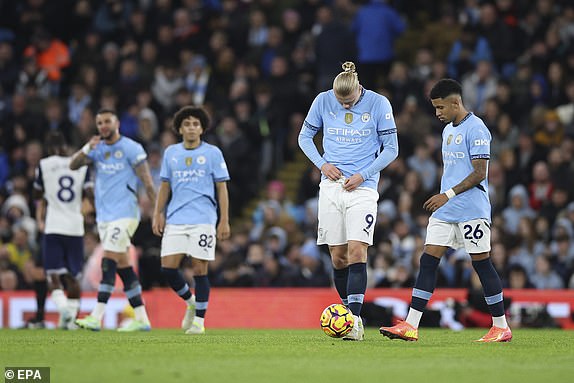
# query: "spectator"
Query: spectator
{"points": [[552, 132], [167, 81], [8, 65], [478, 86], [51, 55], [8, 280], [544, 277], [518, 278], [78, 100], [467, 51], [334, 43], [197, 79], [518, 208], [376, 26], [541, 187], [427, 170], [112, 17]]}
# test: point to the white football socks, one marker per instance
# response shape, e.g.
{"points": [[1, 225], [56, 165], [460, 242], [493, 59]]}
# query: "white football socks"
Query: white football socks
{"points": [[500, 322], [99, 311], [141, 314], [59, 299], [414, 317]]}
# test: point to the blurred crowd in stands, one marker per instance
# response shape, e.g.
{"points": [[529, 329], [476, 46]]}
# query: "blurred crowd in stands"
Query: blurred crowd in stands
{"points": [[256, 66]]}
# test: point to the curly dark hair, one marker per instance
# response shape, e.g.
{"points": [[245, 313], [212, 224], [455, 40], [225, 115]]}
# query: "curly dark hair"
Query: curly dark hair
{"points": [[191, 111]]}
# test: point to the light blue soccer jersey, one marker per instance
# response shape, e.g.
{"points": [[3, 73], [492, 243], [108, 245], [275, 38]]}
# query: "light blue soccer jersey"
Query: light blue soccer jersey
{"points": [[461, 144], [352, 138], [116, 180], [192, 174]]}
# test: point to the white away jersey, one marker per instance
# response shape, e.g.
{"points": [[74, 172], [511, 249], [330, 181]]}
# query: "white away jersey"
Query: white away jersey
{"points": [[62, 189], [461, 144]]}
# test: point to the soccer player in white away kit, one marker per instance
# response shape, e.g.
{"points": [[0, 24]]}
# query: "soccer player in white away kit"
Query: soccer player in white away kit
{"points": [[59, 191], [356, 122], [119, 162], [194, 180], [460, 213]]}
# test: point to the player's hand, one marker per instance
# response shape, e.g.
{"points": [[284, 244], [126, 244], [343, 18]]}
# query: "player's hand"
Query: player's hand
{"points": [[353, 182], [41, 226], [158, 224], [95, 140], [434, 202], [223, 231], [331, 172]]}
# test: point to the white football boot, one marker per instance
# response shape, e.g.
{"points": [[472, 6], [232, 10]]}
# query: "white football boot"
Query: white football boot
{"points": [[358, 332]]}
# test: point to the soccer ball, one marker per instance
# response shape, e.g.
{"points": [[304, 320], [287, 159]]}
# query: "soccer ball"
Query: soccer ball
{"points": [[337, 320]]}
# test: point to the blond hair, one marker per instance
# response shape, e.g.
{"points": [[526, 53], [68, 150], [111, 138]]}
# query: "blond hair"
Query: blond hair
{"points": [[347, 81]]}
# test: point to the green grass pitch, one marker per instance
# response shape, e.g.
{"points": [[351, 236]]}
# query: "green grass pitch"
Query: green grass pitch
{"points": [[275, 356]]}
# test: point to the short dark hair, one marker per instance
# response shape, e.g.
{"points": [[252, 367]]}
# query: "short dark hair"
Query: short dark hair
{"points": [[191, 111], [106, 110], [444, 88]]}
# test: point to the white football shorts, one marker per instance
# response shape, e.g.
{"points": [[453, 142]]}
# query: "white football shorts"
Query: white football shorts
{"points": [[116, 235], [197, 241], [345, 216], [473, 235]]}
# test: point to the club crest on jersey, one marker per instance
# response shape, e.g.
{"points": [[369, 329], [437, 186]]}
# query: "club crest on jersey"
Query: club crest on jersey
{"points": [[118, 154], [348, 118], [107, 155], [365, 117], [449, 139], [201, 160], [458, 139], [188, 161]]}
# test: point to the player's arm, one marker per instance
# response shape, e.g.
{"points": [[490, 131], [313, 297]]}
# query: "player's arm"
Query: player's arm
{"points": [[390, 143], [38, 195], [311, 126], [80, 158], [88, 197], [474, 178], [223, 228], [143, 173], [158, 219], [41, 204], [477, 175]]}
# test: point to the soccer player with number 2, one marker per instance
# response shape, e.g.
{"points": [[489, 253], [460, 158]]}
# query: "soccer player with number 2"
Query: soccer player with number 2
{"points": [[118, 162], [460, 213]]}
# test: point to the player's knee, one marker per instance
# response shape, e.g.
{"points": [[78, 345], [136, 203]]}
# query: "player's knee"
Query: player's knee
{"points": [[339, 263], [357, 254], [199, 266]]}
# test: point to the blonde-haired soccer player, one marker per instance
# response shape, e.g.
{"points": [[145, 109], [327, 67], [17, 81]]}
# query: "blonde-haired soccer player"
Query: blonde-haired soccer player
{"points": [[359, 140]]}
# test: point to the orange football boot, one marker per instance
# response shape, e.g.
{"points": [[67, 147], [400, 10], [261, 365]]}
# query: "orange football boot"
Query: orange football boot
{"points": [[401, 330], [496, 334]]}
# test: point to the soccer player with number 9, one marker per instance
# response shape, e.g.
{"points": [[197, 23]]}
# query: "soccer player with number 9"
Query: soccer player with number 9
{"points": [[460, 213], [356, 123]]}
